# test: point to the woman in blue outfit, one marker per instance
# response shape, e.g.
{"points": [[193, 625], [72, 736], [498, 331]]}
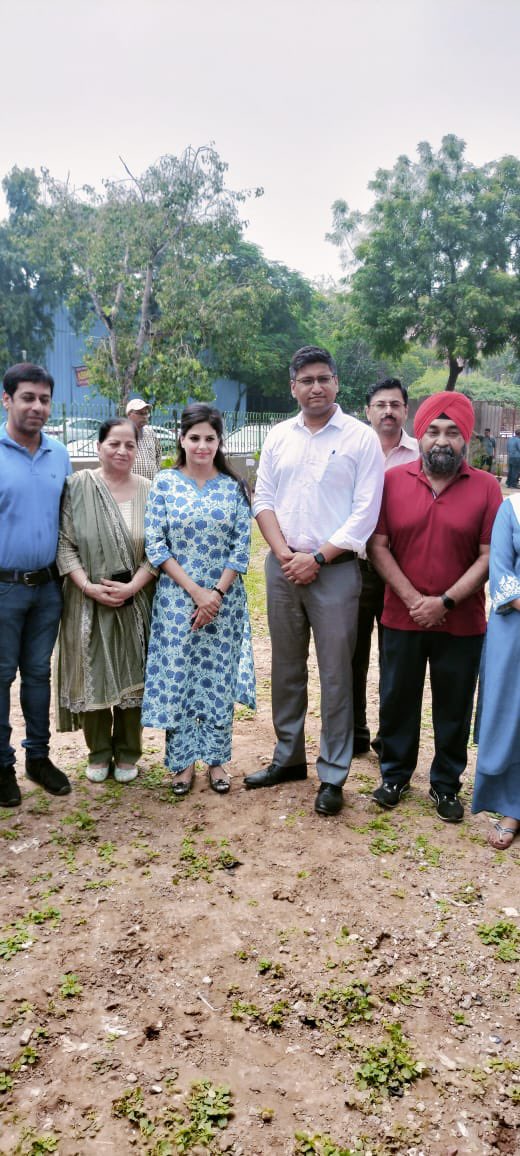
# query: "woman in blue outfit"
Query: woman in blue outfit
{"points": [[497, 780], [200, 657]]}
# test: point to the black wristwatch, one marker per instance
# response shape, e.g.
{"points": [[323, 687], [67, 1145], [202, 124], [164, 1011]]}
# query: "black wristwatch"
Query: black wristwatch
{"points": [[320, 559], [448, 603]]}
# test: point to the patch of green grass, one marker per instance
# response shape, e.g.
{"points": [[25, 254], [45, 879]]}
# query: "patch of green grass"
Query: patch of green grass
{"points": [[387, 1068], [426, 852], [70, 985], [346, 1005], [106, 852], [6, 1083], [34, 1145], [505, 936], [404, 993], [17, 939], [321, 1145], [130, 1107], [210, 1109], [82, 819], [274, 970], [27, 1058], [48, 914], [272, 1017]]}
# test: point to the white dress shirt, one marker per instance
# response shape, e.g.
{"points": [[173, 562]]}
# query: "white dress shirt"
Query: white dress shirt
{"points": [[324, 486]]}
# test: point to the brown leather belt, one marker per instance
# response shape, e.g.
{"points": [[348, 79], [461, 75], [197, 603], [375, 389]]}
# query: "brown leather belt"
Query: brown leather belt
{"points": [[31, 577]]}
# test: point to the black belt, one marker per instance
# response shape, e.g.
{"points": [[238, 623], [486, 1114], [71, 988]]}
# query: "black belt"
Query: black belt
{"points": [[31, 577], [346, 556], [366, 565]]}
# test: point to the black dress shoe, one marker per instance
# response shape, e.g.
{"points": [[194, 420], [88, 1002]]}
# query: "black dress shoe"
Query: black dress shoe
{"points": [[273, 774], [329, 800]]}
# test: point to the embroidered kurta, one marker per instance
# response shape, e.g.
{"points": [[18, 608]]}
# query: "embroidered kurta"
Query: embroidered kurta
{"points": [[194, 677], [497, 781]]}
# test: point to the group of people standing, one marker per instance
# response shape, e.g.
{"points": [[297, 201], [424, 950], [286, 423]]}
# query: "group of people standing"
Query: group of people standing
{"points": [[364, 523]]}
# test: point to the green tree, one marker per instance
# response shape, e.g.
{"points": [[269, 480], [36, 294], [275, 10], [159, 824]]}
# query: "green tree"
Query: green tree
{"points": [[32, 277], [436, 259], [149, 261]]}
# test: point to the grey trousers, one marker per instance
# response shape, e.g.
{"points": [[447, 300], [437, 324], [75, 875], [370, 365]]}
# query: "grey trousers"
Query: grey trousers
{"points": [[328, 607]]}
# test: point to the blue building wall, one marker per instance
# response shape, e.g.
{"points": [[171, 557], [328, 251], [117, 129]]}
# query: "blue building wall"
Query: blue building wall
{"points": [[68, 352]]}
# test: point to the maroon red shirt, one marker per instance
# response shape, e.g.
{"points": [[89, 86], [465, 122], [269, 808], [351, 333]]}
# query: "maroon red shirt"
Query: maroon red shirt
{"points": [[435, 540]]}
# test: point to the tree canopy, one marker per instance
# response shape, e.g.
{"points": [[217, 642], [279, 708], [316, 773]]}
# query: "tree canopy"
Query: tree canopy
{"points": [[31, 275], [436, 260]]}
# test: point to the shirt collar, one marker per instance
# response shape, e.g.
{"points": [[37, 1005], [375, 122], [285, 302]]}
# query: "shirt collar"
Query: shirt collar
{"points": [[335, 420], [44, 446]]}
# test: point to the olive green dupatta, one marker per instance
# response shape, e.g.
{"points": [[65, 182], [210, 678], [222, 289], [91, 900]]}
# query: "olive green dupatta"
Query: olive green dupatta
{"points": [[101, 652]]}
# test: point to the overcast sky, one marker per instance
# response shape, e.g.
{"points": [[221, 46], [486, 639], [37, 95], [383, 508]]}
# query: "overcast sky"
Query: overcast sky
{"points": [[306, 98]]}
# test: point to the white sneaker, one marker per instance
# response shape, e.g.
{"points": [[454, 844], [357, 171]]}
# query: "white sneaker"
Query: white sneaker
{"points": [[125, 774], [96, 773]]}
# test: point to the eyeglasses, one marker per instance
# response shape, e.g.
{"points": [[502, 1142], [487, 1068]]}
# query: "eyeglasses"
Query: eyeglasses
{"points": [[381, 405], [322, 379]]}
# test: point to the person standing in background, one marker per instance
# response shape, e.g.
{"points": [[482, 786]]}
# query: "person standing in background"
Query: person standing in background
{"points": [[386, 410], [149, 452]]}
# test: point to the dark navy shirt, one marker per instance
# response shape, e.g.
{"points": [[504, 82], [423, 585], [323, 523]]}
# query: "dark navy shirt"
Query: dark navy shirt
{"points": [[31, 486]]}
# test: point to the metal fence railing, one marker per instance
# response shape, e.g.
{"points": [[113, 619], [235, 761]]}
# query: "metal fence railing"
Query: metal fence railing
{"points": [[78, 428]]}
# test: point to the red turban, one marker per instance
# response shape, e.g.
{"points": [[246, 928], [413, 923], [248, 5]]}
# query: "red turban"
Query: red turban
{"points": [[455, 405]]}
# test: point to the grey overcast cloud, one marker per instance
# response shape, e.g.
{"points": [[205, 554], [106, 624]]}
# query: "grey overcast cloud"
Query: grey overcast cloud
{"points": [[306, 98]]}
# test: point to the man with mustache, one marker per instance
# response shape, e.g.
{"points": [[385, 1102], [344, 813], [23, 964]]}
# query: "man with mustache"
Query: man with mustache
{"points": [[386, 410], [431, 547], [33, 468]]}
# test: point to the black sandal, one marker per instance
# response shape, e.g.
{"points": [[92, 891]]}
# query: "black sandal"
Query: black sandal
{"points": [[221, 785], [183, 786]]}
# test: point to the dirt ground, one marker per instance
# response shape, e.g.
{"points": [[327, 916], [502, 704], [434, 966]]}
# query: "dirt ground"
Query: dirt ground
{"points": [[320, 984]]}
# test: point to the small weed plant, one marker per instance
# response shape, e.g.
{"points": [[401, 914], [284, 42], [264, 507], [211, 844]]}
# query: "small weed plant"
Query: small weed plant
{"points": [[387, 1068], [505, 936]]}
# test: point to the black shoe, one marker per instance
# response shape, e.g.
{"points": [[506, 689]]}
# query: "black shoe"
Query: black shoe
{"points": [[329, 800], [222, 783], [43, 772], [273, 774], [182, 787], [9, 790], [361, 747], [390, 794], [449, 807]]}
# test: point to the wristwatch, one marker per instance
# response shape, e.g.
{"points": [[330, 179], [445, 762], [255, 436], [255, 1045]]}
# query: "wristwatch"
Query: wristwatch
{"points": [[320, 559], [448, 602]]}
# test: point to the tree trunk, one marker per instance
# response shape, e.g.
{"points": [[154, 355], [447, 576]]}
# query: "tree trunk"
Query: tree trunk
{"points": [[455, 369]]}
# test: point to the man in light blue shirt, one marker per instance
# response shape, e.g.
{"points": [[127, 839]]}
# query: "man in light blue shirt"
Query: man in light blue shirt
{"points": [[33, 468]]}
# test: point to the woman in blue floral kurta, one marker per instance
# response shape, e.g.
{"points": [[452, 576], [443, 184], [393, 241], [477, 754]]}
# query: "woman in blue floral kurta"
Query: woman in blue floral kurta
{"points": [[497, 780], [200, 658]]}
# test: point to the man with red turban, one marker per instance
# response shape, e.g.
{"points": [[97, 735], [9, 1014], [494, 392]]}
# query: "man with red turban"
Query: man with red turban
{"points": [[431, 547]]}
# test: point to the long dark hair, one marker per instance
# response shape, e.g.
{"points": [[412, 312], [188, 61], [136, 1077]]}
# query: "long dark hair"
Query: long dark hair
{"points": [[196, 414]]}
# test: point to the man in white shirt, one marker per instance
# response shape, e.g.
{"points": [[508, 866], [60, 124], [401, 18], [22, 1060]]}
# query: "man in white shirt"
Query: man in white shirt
{"points": [[317, 500], [386, 410]]}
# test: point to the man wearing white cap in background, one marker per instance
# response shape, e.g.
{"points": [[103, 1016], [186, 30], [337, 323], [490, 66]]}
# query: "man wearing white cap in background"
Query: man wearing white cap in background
{"points": [[148, 457]]}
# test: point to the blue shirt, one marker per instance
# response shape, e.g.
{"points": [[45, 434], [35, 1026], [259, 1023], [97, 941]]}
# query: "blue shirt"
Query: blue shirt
{"points": [[31, 486]]}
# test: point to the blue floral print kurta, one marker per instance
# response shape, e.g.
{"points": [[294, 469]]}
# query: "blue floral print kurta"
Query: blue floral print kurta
{"points": [[194, 677]]}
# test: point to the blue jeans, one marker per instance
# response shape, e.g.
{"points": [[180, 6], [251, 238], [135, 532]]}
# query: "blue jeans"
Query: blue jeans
{"points": [[29, 620]]}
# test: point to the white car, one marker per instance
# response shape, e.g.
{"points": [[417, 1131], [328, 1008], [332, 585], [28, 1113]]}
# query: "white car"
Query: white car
{"points": [[249, 439]]}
